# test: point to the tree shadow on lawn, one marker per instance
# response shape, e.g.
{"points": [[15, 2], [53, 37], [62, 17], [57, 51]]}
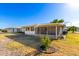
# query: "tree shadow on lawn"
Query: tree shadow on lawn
{"points": [[27, 40]]}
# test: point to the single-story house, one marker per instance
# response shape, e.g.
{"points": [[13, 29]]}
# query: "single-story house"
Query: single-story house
{"points": [[53, 30], [77, 29], [11, 30]]}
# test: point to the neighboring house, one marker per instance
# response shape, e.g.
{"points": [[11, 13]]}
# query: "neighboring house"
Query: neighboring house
{"points": [[53, 30], [10, 30], [77, 29]]}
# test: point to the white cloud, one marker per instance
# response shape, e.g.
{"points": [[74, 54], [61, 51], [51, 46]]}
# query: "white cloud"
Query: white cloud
{"points": [[75, 23]]}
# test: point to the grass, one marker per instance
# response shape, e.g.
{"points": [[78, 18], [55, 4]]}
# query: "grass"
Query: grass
{"points": [[71, 39], [17, 44], [25, 45], [66, 47], [19, 48]]}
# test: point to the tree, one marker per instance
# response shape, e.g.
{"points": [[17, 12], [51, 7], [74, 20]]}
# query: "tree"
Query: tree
{"points": [[4, 30], [61, 21], [57, 21], [0, 29], [72, 28]]}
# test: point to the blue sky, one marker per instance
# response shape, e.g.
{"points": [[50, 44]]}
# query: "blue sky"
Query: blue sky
{"points": [[20, 14]]}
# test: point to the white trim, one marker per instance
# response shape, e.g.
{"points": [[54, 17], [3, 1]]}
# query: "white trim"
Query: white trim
{"points": [[60, 33], [30, 32]]}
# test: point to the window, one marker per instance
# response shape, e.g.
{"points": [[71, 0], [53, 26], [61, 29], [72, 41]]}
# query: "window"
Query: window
{"points": [[32, 28]]}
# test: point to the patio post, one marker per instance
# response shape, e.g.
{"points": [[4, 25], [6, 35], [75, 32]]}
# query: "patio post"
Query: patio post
{"points": [[60, 30], [47, 31], [35, 29], [56, 32]]}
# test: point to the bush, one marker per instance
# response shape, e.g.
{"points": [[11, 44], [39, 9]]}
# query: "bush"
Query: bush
{"points": [[65, 32], [4, 31], [43, 47], [72, 28], [45, 43], [21, 32]]}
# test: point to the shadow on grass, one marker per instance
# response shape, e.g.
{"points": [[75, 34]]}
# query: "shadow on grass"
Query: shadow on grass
{"points": [[27, 40]]}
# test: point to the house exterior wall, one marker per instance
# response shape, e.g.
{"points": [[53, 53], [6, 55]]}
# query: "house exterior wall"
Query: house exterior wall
{"points": [[9, 30], [51, 31], [13, 30], [23, 29], [77, 29], [30, 32]]}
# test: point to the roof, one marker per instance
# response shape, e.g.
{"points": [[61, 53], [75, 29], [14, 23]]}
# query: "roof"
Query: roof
{"points": [[11, 28], [29, 26], [51, 24], [44, 25]]}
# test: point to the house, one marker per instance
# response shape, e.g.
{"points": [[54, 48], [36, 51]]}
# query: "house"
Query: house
{"points": [[53, 30], [77, 29], [30, 30], [11, 30]]}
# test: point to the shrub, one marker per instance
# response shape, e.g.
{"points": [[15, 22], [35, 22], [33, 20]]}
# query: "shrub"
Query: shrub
{"points": [[72, 28], [45, 43], [65, 32], [21, 32], [4, 30]]}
